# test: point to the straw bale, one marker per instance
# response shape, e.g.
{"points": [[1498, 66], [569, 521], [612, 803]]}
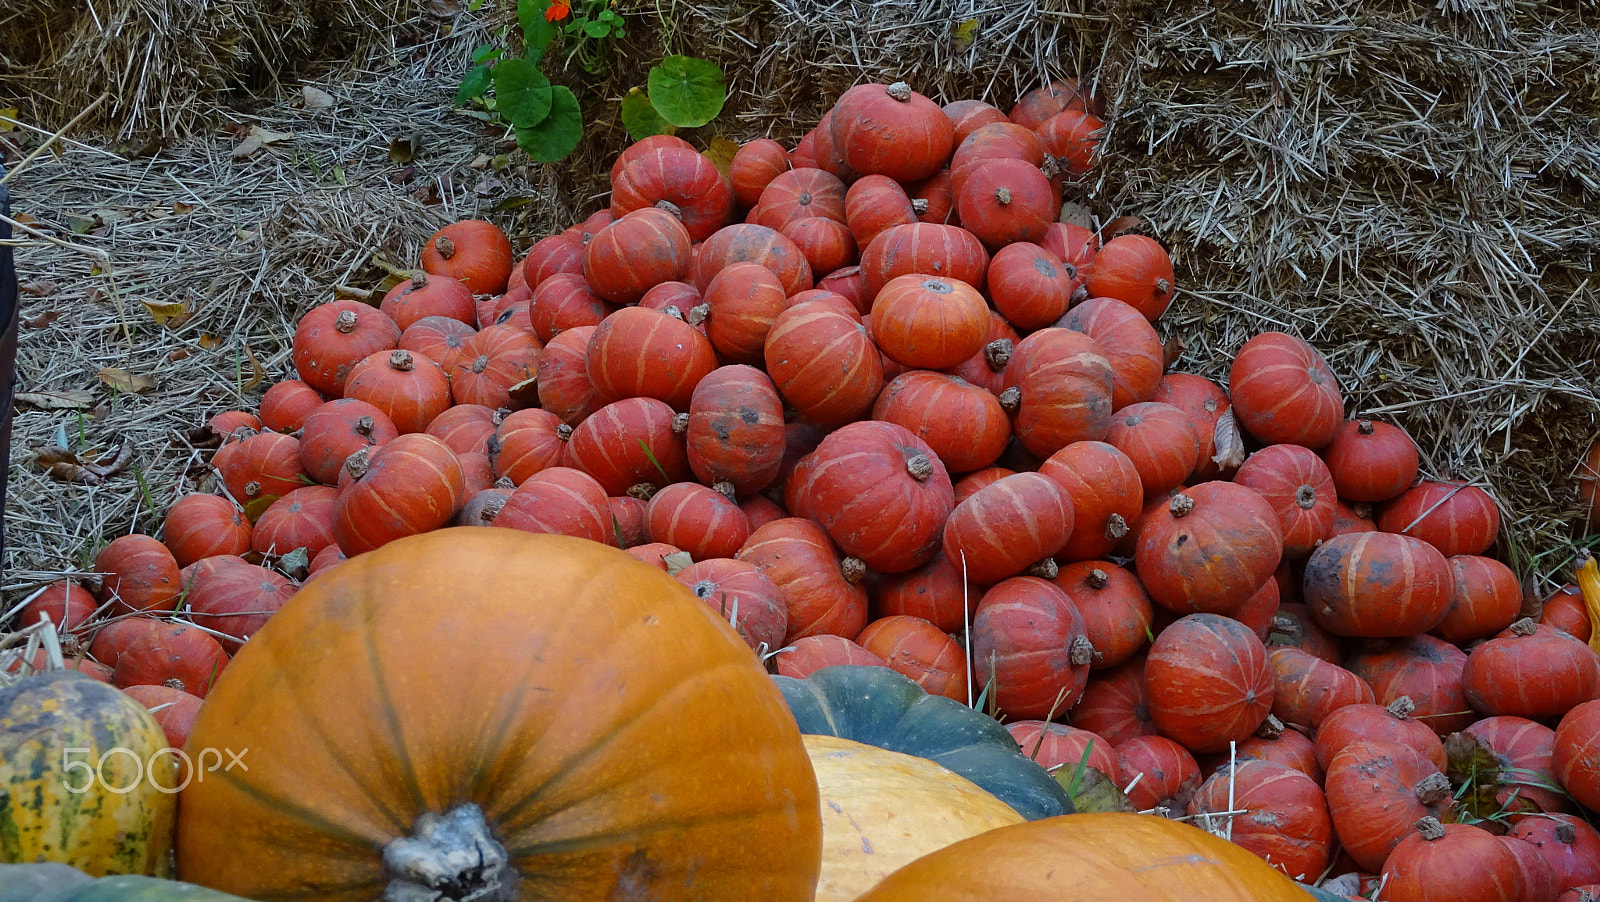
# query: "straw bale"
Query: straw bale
{"points": [[169, 64]]}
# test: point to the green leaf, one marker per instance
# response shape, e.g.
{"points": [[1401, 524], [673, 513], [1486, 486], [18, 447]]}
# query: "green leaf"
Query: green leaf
{"points": [[641, 119], [474, 84], [558, 133], [687, 91], [522, 93], [596, 29], [537, 33], [485, 53], [1092, 790]]}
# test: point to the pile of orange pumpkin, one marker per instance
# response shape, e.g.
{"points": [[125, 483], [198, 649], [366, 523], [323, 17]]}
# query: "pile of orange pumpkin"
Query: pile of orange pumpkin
{"points": [[872, 402]]}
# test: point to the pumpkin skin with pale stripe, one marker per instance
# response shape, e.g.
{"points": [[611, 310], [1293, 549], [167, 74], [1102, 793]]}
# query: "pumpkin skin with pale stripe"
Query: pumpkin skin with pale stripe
{"points": [[1283, 392], [608, 737]]}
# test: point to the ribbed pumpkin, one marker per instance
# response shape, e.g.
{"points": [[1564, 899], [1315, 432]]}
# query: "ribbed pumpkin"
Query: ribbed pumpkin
{"points": [[1453, 517], [1107, 496], [1209, 548], [437, 338], [1031, 287], [1371, 460], [752, 243], [735, 432], [823, 363], [986, 369], [1112, 855], [1298, 486], [1071, 139], [881, 493], [560, 501], [754, 167], [1039, 104], [526, 442], [642, 353], [1485, 597], [1306, 689], [891, 130], [492, 364], [1530, 670], [267, 463], [745, 299], [1006, 200], [821, 590], [679, 175], [935, 592], [808, 654], [475, 252], [995, 141], [968, 115], [1377, 584], [408, 387], [741, 594], [562, 302], [636, 252], [285, 406], [200, 525], [65, 602], [1117, 613], [826, 243], [1116, 703], [338, 429], [1130, 344], [554, 602], [1062, 382], [140, 574], [917, 650], [413, 484], [1209, 682], [1136, 270], [84, 776], [1285, 820], [1159, 439], [1575, 757], [1376, 792], [1377, 723], [177, 655], [1205, 402], [1568, 843], [700, 520], [423, 295], [562, 376], [1452, 861], [1424, 668], [800, 194], [550, 255], [927, 322], [964, 424], [333, 337], [1283, 391], [464, 427], [301, 519], [1060, 748], [1525, 753], [875, 203], [943, 251], [1029, 648], [1008, 526], [635, 442]]}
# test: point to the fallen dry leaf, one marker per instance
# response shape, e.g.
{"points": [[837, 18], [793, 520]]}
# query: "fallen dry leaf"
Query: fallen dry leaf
{"points": [[258, 138], [61, 464], [315, 98], [39, 287], [173, 314], [210, 342], [69, 399], [1229, 443], [122, 380], [43, 319], [720, 152]]}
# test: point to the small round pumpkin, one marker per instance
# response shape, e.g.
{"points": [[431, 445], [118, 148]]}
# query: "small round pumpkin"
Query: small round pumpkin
{"points": [[1284, 392], [1453, 517], [682, 698], [1210, 682], [472, 251], [1110, 855]]}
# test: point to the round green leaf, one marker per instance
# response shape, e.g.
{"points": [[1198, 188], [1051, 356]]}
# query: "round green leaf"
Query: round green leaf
{"points": [[558, 133], [473, 84], [641, 119], [687, 91], [521, 92]]}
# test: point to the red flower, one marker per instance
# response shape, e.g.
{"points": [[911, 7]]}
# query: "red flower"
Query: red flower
{"points": [[557, 12]]}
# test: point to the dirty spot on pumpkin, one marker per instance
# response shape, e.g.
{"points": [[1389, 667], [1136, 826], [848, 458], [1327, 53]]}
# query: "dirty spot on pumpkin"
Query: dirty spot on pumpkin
{"points": [[749, 417], [634, 878], [720, 430], [835, 806]]}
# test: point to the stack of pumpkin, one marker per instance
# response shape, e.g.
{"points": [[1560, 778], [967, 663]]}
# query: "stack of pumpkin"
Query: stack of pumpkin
{"points": [[874, 404]]}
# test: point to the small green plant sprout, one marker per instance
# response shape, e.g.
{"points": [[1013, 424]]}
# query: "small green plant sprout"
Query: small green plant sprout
{"points": [[683, 91]]}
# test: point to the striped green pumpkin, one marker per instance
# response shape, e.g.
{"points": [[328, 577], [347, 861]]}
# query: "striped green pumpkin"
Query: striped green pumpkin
{"points": [[62, 729], [52, 882]]}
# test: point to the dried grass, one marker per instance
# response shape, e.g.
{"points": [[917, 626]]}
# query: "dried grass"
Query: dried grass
{"points": [[248, 245]]}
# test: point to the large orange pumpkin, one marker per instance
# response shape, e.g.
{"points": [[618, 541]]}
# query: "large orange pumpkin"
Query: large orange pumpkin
{"points": [[1112, 855], [567, 721]]}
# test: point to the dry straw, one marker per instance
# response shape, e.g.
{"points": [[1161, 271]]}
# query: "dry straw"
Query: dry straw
{"points": [[1413, 187]]}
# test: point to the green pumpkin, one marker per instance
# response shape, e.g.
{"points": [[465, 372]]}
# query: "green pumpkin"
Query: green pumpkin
{"points": [[877, 706], [51, 882], [86, 777]]}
